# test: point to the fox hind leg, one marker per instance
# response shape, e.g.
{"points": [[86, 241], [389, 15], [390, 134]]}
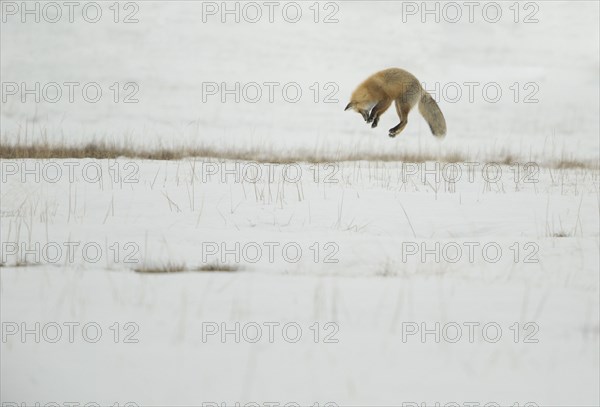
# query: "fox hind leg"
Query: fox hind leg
{"points": [[403, 109], [377, 111]]}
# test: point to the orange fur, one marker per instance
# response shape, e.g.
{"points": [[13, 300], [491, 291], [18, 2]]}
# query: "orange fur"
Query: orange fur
{"points": [[376, 94]]}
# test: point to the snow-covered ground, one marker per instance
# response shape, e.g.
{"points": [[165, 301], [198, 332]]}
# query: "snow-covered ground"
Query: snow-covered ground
{"points": [[351, 283]]}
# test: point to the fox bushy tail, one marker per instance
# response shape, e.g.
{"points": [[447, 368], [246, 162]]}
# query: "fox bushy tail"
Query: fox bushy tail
{"points": [[432, 114]]}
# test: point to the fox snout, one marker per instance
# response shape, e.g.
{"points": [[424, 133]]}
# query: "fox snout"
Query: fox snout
{"points": [[364, 113]]}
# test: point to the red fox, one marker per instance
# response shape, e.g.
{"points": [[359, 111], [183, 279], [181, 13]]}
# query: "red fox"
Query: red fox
{"points": [[375, 95]]}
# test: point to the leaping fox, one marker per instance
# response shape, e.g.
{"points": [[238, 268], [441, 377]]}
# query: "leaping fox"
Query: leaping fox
{"points": [[375, 95]]}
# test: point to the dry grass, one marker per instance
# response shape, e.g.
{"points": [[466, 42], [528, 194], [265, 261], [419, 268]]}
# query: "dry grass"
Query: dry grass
{"points": [[19, 264], [180, 267], [569, 163], [217, 267], [261, 154], [160, 269], [257, 154], [98, 151]]}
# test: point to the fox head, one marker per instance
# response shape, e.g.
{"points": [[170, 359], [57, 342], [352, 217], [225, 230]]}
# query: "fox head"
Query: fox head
{"points": [[364, 108], [361, 104]]}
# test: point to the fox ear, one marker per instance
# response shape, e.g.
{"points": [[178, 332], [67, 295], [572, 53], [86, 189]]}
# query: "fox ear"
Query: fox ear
{"points": [[348, 106]]}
